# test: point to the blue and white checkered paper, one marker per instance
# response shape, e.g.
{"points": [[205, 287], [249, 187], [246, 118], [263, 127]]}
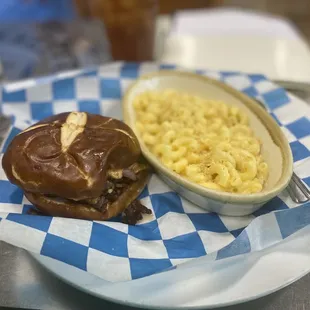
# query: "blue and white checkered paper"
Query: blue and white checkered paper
{"points": [[177, 231]]}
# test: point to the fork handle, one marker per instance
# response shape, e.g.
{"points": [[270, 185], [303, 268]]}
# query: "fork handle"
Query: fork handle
{"points": [[295, 194], [301, 185]]}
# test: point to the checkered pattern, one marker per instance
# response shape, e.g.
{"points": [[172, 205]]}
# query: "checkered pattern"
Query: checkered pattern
{"points": [[177, 231]]}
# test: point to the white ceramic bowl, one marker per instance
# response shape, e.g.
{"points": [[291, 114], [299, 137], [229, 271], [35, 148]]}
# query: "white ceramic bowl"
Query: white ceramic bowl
{"points": [[275, 148]]}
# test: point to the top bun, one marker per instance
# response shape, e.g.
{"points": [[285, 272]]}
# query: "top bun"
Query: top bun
{"points": [[68, 155]]}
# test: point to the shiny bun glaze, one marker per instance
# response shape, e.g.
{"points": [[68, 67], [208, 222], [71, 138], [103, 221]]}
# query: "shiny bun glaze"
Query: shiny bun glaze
{"points": [[70, 155]]}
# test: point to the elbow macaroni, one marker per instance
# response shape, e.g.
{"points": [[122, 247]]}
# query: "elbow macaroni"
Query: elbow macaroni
{"points": [[205, 141]]}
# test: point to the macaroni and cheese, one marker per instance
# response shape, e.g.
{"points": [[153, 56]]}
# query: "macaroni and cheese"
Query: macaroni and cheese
{"points": [[206, 141]]}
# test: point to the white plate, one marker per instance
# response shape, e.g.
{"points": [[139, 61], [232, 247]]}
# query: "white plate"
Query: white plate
{"points": [[208, 285]]}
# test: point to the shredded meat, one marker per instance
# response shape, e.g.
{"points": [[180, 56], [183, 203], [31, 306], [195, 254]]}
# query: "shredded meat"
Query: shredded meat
{"points": [[114, 188], [33, 211], [133, 213]]}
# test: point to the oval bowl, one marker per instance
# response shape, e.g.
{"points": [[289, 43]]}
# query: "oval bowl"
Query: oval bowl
{"points": [[275, 147]]}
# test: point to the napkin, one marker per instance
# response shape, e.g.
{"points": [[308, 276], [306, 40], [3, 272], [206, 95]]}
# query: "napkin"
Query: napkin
{"points": [[177, 232]]}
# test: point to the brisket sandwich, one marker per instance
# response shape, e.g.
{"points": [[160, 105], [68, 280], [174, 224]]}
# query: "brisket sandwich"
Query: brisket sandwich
{"points": [[79, 165]]}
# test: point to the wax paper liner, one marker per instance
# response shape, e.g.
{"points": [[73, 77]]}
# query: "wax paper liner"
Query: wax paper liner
{"points": [[177, 231]]}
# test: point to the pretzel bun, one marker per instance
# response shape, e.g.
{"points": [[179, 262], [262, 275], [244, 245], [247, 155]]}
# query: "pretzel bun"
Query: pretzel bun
{"points": [[69, 155]]}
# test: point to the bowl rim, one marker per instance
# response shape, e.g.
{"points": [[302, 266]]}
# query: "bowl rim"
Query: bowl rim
{"points": [[269, 123]]}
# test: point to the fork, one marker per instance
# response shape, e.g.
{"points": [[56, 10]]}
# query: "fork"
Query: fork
{"points": [[296, 188]]}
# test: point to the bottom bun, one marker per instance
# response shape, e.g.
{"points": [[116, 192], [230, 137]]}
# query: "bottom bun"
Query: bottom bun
{"points": [[54, 206]]}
